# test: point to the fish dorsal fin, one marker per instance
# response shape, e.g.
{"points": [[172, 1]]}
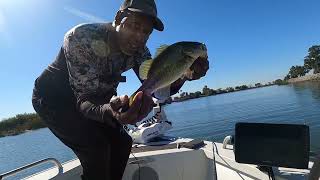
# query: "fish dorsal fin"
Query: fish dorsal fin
{"points": [[144, 69], [161, 49]]}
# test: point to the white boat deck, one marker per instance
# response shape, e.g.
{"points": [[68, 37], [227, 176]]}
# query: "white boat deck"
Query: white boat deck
{"points": [[181, 163]]}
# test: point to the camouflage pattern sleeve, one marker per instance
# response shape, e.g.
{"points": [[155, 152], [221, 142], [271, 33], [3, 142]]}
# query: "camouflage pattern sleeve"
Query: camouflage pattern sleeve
{"points": [[81, 62], [83, 52]]}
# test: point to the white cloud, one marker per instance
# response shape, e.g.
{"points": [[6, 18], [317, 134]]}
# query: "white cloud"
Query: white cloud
{"points": [[84, 15]]}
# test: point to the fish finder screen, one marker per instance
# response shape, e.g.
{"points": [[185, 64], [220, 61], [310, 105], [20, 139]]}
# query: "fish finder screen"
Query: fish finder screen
{"points": [[279, 145]]}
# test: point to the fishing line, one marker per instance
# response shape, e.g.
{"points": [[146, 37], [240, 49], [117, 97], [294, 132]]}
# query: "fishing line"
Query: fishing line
{"points": [[137, 162]]}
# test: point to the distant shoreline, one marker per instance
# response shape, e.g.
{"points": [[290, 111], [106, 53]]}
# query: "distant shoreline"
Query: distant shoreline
{"points": [[185, 98], [15, 133], [19, 124], [312, 77]]}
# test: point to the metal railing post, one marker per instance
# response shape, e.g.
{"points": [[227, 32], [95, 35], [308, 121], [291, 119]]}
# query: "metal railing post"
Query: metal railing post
{"points": [[28, 166]]}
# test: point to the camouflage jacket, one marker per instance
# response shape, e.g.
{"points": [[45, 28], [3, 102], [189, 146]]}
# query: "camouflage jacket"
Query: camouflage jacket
{"points": [[94, 62], [95, 65]]}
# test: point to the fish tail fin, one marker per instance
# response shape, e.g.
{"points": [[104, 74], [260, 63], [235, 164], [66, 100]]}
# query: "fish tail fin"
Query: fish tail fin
{"points": [[133, 96], [131, 99]]}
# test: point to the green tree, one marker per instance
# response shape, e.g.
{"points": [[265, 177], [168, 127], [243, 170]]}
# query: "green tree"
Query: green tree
{"points": [[192, 95], [297, 71], [212, 92], [20, 123], [312, 60], [229, 89], [280, 82], [243, 87], [206, 90], [293, 72], [301, 70], [287, 77], [219, 91], [197, 94]]}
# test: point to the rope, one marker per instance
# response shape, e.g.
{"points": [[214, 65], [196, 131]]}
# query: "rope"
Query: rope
{"points": [[137, 163]]}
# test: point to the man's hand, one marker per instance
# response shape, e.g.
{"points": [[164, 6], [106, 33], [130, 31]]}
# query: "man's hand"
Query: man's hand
{"points": [[140, 108], [147, 105], [198, 69]]}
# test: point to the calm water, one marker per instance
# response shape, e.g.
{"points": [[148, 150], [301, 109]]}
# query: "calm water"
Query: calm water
{"points": [[210, 118]]}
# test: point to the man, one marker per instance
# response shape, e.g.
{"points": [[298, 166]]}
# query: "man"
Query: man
{"points": [[73, 94]]}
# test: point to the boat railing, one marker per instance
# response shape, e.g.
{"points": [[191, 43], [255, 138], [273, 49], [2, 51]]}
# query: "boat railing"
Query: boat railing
{"points": [[31, 165], [227, 140]]}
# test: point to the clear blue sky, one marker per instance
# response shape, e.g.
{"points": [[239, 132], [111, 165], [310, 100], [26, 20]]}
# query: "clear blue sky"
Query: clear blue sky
{"points": [[248, 41]]}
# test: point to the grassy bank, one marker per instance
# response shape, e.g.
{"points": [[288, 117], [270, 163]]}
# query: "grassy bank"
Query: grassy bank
{"points": [[20, 124]]}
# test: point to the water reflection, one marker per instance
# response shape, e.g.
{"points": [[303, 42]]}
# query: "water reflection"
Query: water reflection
{"points": [[312, 86]]}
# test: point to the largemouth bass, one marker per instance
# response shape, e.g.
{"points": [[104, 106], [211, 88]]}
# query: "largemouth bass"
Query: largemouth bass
{"points": [[168, 65]]}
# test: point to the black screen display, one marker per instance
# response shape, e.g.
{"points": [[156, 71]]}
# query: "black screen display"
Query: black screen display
{"points": [[280, 145]]}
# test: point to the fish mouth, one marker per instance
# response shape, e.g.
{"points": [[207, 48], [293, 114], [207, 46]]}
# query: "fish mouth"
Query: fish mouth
{"points": [[204, 47], [199, 50], [204, 50], [203, 55]]}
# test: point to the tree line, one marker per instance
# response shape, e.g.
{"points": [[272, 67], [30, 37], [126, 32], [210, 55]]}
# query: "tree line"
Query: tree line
{"points": [[206, 91], [311, 61], [20, 123]]}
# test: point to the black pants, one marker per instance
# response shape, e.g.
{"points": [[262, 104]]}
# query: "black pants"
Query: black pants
{"points": [[103, 151]]}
